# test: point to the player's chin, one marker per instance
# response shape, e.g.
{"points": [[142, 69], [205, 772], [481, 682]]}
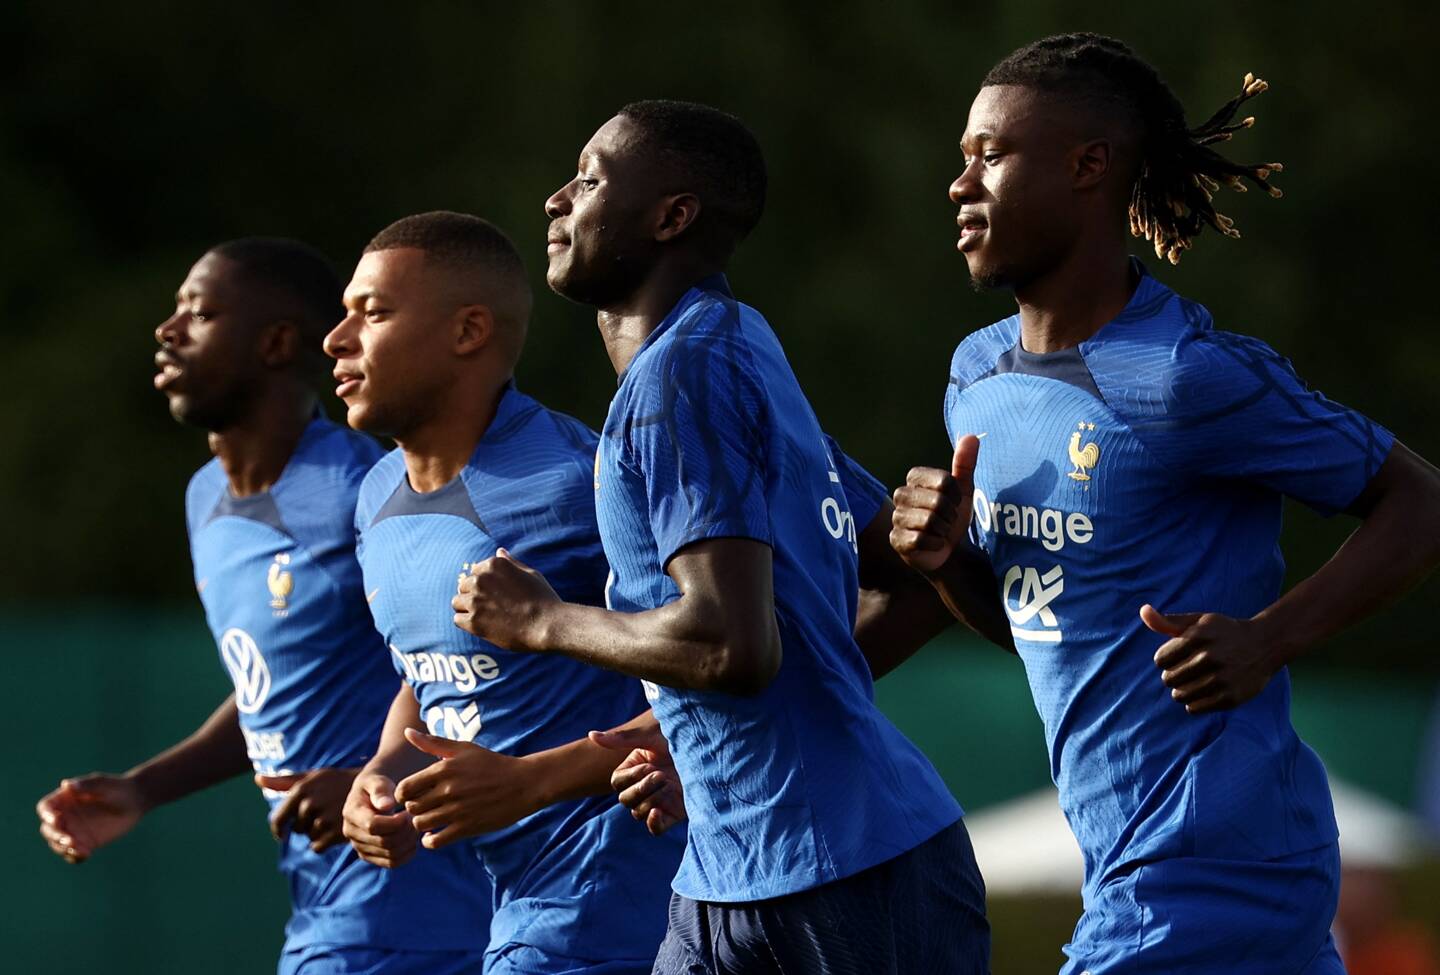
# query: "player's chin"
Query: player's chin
{"points": [[179, 405], [361, 415], [558, 276], [986, 276], [569, 281]]}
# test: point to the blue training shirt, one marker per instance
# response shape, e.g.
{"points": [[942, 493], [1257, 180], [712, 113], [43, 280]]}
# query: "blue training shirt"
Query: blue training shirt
{"points": [[580, 879], [277, 574], [1147, 465], [709, 436]]}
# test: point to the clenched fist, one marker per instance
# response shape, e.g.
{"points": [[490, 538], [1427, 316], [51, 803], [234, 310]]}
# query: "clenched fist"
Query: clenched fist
{"points": [[932, 510], [505, 601]]}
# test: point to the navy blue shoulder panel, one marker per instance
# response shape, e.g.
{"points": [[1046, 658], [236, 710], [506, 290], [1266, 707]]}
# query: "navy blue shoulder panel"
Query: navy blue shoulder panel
{"points": [[1066, 366], [452, 499], [255, 507]]}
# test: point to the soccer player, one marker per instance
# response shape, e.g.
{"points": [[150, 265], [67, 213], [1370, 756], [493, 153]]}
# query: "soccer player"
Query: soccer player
{"points": [[272, 538], [820, 839], [1127, 494], [436, 319]]}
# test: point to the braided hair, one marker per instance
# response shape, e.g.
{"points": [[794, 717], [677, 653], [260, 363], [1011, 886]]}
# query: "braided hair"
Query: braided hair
{"points": [[1172, 198]]}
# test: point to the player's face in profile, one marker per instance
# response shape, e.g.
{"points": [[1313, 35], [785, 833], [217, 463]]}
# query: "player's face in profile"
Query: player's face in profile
{"points": [[1017, 209], [391, 347], [598, 249], [209, 356]]}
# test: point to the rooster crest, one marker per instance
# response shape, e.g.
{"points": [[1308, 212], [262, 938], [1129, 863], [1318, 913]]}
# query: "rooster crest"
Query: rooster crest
{"points": [[281, 583], [1084, 457]]}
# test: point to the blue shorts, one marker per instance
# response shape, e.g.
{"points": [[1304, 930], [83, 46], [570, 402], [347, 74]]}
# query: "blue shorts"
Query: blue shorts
{"points": [[321, 959], [922, 912], [1188, 915], [521, 959]]}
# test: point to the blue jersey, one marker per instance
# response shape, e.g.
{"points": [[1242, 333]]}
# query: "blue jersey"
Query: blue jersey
{"points": [[1147, 465], [709, 436], [281, 587], [865, 496], [581, 878]]}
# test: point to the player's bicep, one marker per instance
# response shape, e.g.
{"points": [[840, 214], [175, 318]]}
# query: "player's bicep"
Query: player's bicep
{"points": [[699, 445], [728, 597]]}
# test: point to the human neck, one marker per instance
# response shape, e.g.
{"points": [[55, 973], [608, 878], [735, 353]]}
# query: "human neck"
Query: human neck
{"points": [[626, 324], [253, 452], [1074, 300], [437, 450]]}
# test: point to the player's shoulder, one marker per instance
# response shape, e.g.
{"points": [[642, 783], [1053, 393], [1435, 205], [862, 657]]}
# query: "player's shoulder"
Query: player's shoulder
{"points": [[525, 431], [979, 352], [379, 482], [1164, 356], [335, 446], [203, 493], [716, 349], [323, 478], [530, 452]]}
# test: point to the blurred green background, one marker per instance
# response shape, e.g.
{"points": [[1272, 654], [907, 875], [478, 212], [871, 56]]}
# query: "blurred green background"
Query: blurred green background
{"points": [[134, 136]]}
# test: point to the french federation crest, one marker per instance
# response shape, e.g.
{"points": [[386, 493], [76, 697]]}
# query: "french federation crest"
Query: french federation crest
{"points": [[281, 584], [1083, 458]]}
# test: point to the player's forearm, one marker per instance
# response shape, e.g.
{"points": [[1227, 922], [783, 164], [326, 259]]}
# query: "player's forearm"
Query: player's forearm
{"points": [[1395, 547], [966, 585], [580, 769], [394, 756], [677, 645], [892, 624], [213, 753]]}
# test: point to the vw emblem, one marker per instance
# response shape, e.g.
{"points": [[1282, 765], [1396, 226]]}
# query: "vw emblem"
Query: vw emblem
{"points": [[247, 669]]}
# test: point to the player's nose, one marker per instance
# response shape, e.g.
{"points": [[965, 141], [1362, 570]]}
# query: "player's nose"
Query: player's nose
{"points": [[559, 203], [966, 188], [339, 342], [167, 332]]}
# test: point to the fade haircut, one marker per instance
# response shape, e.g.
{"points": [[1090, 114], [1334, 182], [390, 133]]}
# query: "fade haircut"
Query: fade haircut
{"points": [[716, 155], [299, 275], [1178, 175], [452, 238], [470, 243]]}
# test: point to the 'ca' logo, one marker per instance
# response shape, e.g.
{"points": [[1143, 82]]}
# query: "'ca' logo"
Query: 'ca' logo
{"points": [[247, 669], [1037, 592], [457, 725]]}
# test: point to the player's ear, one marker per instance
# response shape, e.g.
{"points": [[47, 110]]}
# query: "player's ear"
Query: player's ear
{"points": [[674, 214], [474, 328], [279, 343], [1090, 162]]}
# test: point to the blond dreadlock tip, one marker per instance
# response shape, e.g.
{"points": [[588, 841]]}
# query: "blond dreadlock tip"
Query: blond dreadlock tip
{"points": [[1275, 192]]}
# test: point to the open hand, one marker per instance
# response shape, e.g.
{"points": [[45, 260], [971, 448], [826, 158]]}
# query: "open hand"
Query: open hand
{"points": [[1211, 662], [314, 804], [470, 791], [504, 601], [84, 814]]}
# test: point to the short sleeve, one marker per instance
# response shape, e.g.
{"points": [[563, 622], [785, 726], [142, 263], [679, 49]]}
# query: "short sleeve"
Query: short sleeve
{"points": [[698, 435], [1235, 409], [863, 491]]}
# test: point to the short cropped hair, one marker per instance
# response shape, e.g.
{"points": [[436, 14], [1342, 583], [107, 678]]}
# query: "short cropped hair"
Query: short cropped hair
{"points": [[714, 151], [470, 243], [455, 238], [297, 273]]}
